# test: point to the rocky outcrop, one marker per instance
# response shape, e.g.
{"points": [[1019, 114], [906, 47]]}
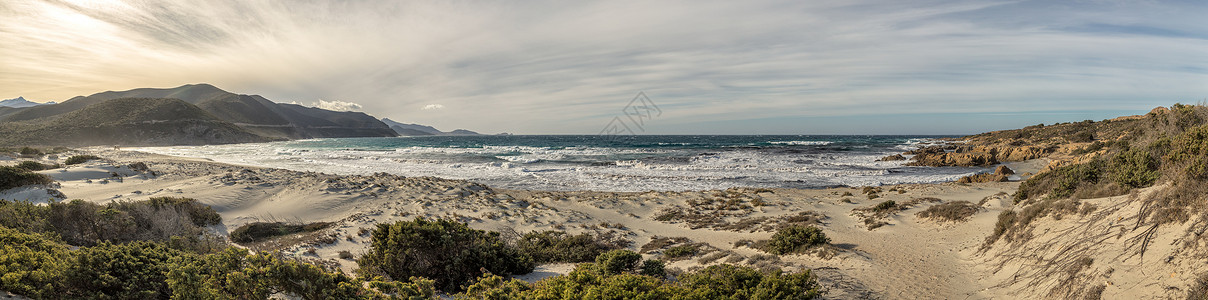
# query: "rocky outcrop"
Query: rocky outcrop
{"points": [[895, 157], [1001, 174], [1004, 170], [975, 156], [948, 159]]}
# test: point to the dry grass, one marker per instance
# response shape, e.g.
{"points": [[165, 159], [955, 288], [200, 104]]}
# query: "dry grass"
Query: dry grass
{"points": [[955, 211], [874, 216]]}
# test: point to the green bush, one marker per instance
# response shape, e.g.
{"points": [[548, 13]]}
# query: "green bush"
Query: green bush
{"points": [[589, 281], [558, 246], [1135, 168], [795, 239], [32, 264], [448, 252], [1061, 182], [32, 165], [259, 231], [200, 214], [135, 270], [680, 251], [884, 206], [27, 151], [12, 177], [733, 282], [653, 268], [618, 261], [79, 159]]}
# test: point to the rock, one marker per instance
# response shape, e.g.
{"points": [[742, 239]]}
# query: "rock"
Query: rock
{"points": [[979, 178], [1004, 170], [954, 159], [895, 157]]}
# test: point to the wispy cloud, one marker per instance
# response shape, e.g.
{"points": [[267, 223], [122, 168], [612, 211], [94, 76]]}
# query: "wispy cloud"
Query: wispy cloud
{"points": [[433, 107], [567, 67]]}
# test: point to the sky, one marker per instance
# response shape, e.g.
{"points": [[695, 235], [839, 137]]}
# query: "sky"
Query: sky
{"points": [[572, 67]]}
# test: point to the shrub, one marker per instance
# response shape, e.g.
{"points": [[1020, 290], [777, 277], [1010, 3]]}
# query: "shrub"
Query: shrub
{"points": [[345, 254], [653, 268], [79, 159], [884, 206], [32, 264], [136, 270], [1135, 168], [12, 177], [32, 165], [83, 223], [796, 238], [955, 211], [200, 214], [680, 251], [30, 152], [733, 282], [235, 274], [448, 252], [558, 246], [590, 281], [618, 261], [1060, 182], [259, 231]]}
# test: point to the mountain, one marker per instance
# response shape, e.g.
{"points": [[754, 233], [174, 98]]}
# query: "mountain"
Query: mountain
{"points": [[20, 102], [252, 113], [421, 130], [128, 121]]}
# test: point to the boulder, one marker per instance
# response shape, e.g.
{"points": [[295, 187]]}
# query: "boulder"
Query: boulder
{"points": [[895, 157], [981, 159], [1004, 170], [979, 178]]}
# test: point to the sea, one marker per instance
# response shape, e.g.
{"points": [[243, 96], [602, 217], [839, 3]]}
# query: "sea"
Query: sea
{"points": [[602, 162]]}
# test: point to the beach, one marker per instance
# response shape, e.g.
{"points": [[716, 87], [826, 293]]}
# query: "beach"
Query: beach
{"points": [[906, 257]]}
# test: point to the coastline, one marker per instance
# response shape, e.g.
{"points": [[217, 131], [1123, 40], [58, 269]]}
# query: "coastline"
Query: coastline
{"points": [[910, 256]]}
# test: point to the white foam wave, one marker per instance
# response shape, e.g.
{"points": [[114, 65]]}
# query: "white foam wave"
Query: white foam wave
{"points": [[571, 168]]}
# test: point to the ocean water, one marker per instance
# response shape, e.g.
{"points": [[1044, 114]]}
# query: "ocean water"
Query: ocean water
{"points": [[601, 163]]}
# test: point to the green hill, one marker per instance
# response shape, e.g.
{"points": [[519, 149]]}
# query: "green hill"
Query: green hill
{"points": [[128, 121], [251, 112]]}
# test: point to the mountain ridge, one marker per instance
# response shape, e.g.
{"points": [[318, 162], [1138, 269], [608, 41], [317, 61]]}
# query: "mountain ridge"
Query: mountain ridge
{"points": [[253, 113], [405, 129]]}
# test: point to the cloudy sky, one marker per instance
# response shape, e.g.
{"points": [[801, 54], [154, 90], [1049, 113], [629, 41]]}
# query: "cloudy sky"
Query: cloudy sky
{"points": [[564, 67]]}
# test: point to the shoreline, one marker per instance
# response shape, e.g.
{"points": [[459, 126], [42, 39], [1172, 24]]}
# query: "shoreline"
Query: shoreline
{"points": [[935, 255]]}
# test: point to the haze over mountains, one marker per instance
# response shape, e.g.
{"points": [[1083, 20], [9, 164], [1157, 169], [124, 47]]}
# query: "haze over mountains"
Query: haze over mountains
{"points": [[422, 130], [20, 102], [190, 115]]}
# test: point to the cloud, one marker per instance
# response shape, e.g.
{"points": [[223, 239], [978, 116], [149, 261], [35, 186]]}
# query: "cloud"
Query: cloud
{"points": [[433, 107], [569, 67], [337, 105]]}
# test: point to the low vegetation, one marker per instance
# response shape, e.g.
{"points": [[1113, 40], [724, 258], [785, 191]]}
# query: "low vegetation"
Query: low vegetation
{"points": [[260, 231], [79, 159], [448, 252], [955, 211], [35, 166], [175, 221], [796, 239], [1166, 147], [558, 246], [874, 216], [12, 177], [602, 280]]}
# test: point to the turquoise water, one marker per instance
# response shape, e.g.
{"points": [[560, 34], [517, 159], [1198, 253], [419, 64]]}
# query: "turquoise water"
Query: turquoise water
{"points": [[608, 163]]}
